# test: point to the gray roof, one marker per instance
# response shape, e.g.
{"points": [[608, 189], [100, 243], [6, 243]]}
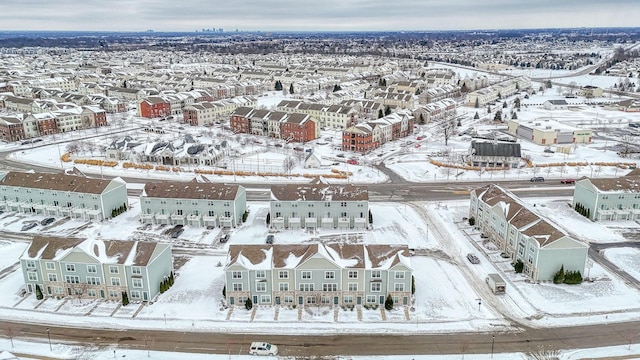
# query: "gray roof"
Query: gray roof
{"points": [[495, 149], [319, 192], [57, 182], [191, 190]]}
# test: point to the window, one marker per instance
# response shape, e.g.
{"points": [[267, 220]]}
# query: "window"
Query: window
{"points": [[91, 280], [261, 274], [91, 292], [399, 274], [329, 274], [50, 265], [283, 274], [115, 281], [92, 269], [71, 267], [348, 299], [236, 274], [212, 213], [311, 300], [353, 274], [306, 287], [113, 293], [284, 286], [53, 277], [375, 287], [70, 279], [288, 299], [398, 287], [237, 286], [135, 294], [265, 299], [136, 270], [353, 286], [137, 283], [113, 270], [343, 214], [261, 287], [329, 287], [343, 204], [306, 274], [32, 276], [375, 274], [31, 264]]}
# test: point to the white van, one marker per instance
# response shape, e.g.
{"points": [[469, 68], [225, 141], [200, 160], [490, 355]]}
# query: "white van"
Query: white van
{"points": [[262, 348]]}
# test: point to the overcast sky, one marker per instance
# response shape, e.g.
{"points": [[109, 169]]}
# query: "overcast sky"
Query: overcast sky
{"points": [[312, 15]]}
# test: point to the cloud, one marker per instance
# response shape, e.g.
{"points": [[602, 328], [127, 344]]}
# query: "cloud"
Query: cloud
{"points": [[188, 15]]}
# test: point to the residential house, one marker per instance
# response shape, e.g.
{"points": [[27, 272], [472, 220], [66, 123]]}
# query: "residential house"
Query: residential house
{"points": [[318, 274], [11, 128], [93, 116], [317, 205], [609, 199], [96, 269], [62, 195], [154, 107], [522, 234], [193, 203], [555, 104]]}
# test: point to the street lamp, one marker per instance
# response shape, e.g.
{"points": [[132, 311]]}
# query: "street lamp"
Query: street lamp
{"points": [[479, 303], [493, 340], [49, 337]]}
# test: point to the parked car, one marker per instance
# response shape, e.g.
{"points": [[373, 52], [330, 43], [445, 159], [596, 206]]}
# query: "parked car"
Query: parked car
{"points": [[473, 259], [47, 221], [225, 238], [340, 155], [536, 179], [270, 239], [29, 226], [298, 148], [262, 348], [176, 232], [352, 162], [420, 138], [568, 181]]}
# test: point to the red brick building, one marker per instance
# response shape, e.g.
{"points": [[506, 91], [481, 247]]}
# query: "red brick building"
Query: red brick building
{"points": [[240, 121], [359, 138], [154, 107], [298, 127], [11, 128]]}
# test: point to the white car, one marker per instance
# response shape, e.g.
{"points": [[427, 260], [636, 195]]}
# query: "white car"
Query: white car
{"points": [[262, 348]]}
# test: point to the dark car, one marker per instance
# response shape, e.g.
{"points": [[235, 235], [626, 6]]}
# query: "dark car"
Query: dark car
{"points": [[47, 221], [176, 232], [473, 259], [225, 238], [29, 226], [536, 179], [568, 181], [270, 239]]}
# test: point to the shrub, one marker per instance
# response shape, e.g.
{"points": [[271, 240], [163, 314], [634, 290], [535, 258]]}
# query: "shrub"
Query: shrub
{"points": [[558, 277], [244, 216], [38, 293], [125, 299], [388, 303], [268, 219], [224, 291], [248, 304], [518, 266], [472, 221], [413, 285]]}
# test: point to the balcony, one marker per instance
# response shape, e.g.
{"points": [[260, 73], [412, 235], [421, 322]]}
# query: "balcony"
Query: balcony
{"points": [[277, 223]]}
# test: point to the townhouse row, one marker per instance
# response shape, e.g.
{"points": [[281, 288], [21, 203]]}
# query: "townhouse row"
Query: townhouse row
{"points": [[293, 126], [367, 136]]}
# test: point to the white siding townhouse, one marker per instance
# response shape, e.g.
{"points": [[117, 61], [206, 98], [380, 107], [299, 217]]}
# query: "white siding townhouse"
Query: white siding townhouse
{"points": [[610, 199], [314, 205], [61, 195], [95, 269], [193, 203], [318, 274], [522, 234]]}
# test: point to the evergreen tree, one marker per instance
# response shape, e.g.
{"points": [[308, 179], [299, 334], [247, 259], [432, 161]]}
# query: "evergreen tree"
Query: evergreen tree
{"points": [[38, 293], [388, 303], [477, 103], [421, 119], [171, 279], [488, 109], [370, 217], [224, 291], [380, 114], [514, 115], [504, 105], [248, 304], [291, 89], [387, 110], [268, 219], [413, 285], [476, 116], [498, 116], [125, 298]]}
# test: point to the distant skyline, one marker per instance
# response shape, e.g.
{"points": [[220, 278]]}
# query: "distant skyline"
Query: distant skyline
{"points": [[303, 15]]}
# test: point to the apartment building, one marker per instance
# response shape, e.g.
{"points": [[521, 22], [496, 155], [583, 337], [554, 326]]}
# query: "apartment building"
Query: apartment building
{"points": [[318, 274], [522, 234], [193, 203], [275, 124], [95, 269], [314, 205], [61, 195], [609, 199]]}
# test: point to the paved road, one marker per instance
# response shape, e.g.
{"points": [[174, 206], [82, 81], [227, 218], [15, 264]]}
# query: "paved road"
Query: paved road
{"points": [[525, 340]]}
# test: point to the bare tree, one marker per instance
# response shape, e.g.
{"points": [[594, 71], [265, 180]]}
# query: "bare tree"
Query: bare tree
{"points": [[72, 147], [288, 164], [447, 129], [627, 143]]}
